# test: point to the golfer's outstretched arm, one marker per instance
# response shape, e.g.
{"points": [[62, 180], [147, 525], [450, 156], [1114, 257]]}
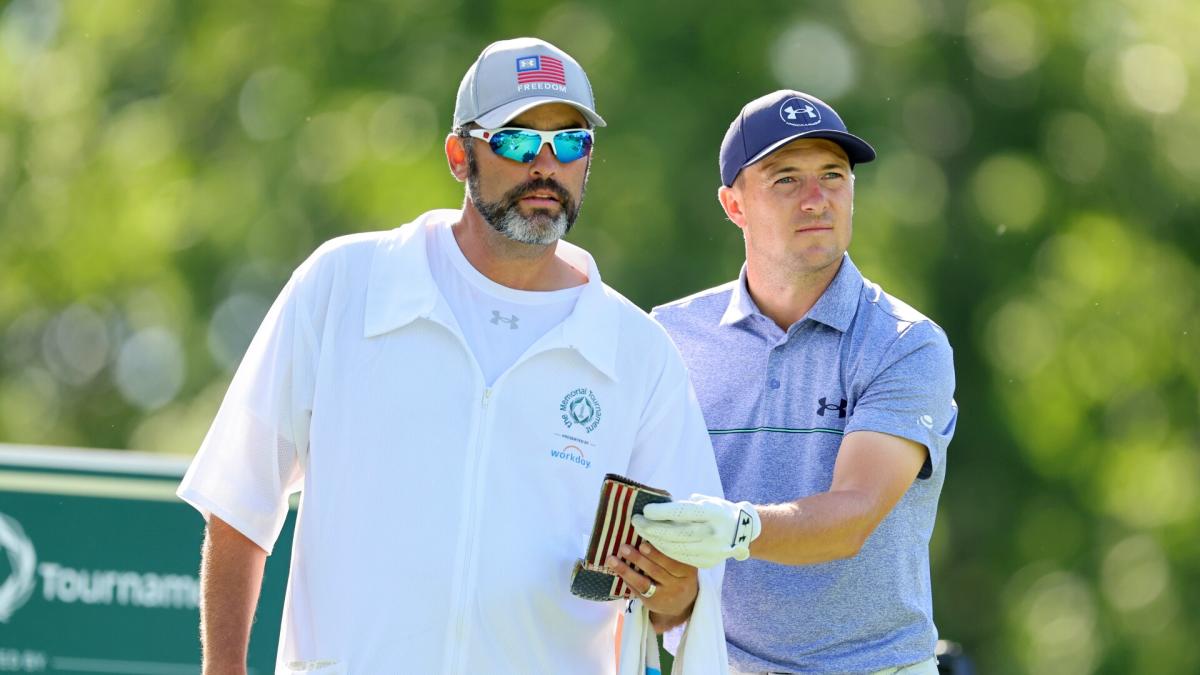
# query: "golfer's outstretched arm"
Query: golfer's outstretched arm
{"points": [[231, 571]]}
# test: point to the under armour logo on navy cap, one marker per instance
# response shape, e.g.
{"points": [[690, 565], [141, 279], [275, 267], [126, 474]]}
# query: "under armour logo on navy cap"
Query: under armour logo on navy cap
{"points": [[798, 112], [769, 122]]}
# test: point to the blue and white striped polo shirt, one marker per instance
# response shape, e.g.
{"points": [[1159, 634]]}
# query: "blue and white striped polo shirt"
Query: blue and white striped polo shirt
{"points": [[777, 405]]}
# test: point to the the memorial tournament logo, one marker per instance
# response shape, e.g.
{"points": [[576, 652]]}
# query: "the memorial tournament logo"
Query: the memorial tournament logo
{"points": [[580, 407], [22, 560]]}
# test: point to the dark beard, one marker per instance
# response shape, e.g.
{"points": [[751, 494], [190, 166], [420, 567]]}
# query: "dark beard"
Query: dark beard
{"points": [[504, 215]]}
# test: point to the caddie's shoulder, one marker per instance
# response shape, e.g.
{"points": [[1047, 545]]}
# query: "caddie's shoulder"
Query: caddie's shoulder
{"points": [[349, 250], [633, 322]]}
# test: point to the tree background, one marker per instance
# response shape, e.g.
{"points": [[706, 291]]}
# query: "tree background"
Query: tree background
{"points": [[164, 165]]}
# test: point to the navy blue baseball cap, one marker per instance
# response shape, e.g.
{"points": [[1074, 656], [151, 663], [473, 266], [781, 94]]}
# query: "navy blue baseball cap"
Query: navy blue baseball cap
{"points": [[769, 122]]}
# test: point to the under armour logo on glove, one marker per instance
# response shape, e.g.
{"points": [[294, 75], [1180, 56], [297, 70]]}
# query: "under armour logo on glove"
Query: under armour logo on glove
{"points": [[497, 319], [743, 530]]}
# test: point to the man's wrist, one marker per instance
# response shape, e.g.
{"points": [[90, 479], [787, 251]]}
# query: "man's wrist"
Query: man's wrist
{"points": [[225, 668], [663, 623]]}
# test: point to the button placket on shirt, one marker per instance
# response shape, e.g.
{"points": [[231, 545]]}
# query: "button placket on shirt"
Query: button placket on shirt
{"points": [[776, 361], [778, 356], [774, 366]]}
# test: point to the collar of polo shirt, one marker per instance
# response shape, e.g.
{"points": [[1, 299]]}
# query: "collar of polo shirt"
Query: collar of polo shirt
{"points": [[835, 308], [401, 289]]}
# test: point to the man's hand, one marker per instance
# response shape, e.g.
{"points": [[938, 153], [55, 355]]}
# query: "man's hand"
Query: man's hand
{"points": [[701, 531], [675, 584]]}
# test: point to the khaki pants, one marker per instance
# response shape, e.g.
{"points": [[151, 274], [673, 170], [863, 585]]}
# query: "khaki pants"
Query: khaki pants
{"points": [[926, 667]]}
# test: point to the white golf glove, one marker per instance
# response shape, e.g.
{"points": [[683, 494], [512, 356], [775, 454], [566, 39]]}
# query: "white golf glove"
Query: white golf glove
{"points": [[701, 531]]}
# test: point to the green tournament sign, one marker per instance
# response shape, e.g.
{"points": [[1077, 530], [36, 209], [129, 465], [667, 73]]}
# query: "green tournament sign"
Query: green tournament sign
{"points": [[99, 562]]}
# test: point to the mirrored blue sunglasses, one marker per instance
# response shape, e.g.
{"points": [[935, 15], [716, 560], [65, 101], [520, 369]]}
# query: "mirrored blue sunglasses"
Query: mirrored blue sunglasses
{"points": [[523, 145]]}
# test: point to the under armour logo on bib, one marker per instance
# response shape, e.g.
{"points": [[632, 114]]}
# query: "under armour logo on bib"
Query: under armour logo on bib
{"points": [[497, 319]]}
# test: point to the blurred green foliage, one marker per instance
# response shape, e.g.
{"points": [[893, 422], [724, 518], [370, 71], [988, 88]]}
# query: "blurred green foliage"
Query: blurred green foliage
{"points": [[164, 165]]}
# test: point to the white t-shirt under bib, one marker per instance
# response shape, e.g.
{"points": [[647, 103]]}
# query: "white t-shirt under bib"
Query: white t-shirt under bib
{"points": [[499, 323]]}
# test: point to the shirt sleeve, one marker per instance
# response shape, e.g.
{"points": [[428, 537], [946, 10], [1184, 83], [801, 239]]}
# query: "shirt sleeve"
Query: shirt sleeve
{"points": [[911, 394], [672, 449], [253, 456], [673, 452]]}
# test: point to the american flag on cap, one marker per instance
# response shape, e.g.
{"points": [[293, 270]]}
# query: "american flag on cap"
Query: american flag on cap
{"points": [[540, 68]]}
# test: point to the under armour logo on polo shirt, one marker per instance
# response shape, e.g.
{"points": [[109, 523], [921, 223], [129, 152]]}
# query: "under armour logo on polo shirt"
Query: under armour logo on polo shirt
{"points": [[840, 408], [497, 319]]}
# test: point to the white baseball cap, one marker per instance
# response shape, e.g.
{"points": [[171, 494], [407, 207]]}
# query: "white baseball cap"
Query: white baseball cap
{"points": [[512, 76]]}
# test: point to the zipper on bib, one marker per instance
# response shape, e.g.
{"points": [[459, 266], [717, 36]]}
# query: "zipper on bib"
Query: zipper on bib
{"points": [[467, 583]]}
